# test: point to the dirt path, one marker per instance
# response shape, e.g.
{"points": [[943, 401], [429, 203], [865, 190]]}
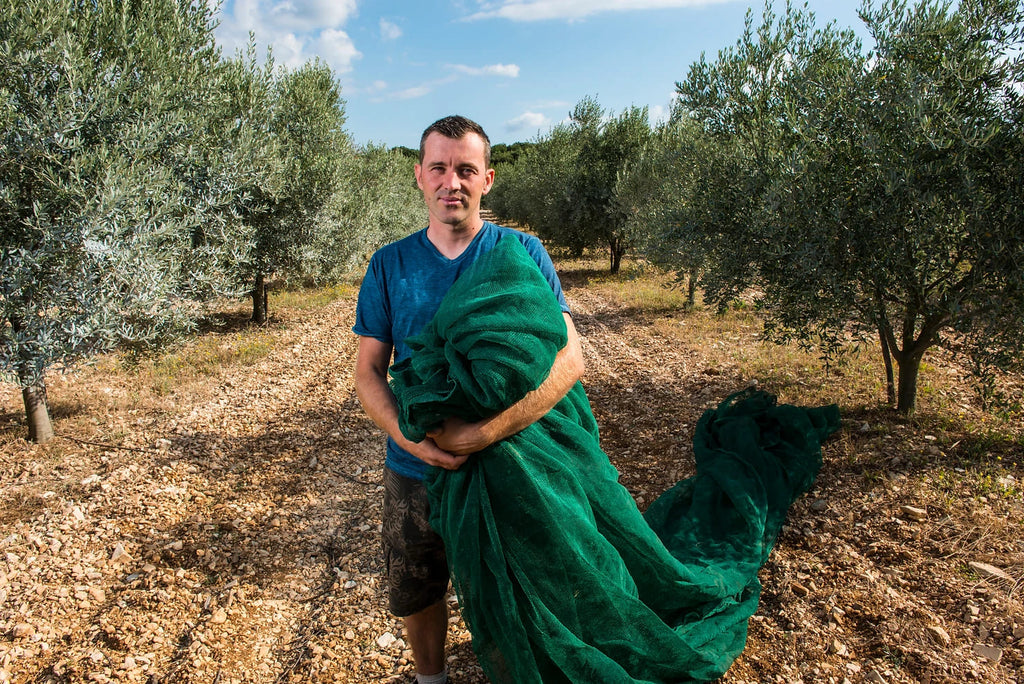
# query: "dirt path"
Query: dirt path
{"points": [[238, 544], [234, 535]]}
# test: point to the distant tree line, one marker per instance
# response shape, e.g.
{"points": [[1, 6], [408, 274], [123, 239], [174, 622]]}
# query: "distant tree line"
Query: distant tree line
{"points": [[142, 174], [858, 193]]}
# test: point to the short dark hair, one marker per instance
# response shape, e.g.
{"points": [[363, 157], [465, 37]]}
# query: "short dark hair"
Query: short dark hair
{"points": [[457, 127]]}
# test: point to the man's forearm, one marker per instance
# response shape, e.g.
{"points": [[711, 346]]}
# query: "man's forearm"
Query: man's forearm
{"points": [[459, 437], [565, 371], [379, 403]]}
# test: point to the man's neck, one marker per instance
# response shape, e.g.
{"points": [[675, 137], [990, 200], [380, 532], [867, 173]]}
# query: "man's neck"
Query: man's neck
{"points": [[451, 241]]}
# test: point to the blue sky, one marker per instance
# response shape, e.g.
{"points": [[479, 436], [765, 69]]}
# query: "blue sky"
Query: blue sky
{"points": [[515, 66]]}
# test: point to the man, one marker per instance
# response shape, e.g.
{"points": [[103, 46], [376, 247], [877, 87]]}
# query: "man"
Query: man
{"points": [[404, 284]]}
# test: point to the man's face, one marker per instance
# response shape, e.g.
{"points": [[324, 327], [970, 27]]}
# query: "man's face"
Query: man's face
{"points": [[453, 178]]}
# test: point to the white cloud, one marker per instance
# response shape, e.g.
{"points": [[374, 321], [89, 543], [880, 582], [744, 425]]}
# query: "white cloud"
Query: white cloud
{"points": [[657, 114], [527, 121], [461, 70], [507, 70], [297, 30], [233, 31], [288, 50], [539, 10], [308, 15], [373, 90], [337, 49], [412, 93], [389, 31]]}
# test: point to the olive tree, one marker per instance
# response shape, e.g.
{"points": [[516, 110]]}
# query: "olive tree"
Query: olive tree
{"points": [[511, 178], [307, 115], [910, 169], [564, 186], [747, 105], [677, 193], [533, 190], [376, 202], [105, 199], [881, 183], [608, 146]]}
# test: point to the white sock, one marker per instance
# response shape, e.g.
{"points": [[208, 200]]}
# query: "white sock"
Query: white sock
{"points": [[439, 678]]}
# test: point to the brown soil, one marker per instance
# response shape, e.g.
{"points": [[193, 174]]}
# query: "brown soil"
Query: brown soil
{"points": [[228, 531]]}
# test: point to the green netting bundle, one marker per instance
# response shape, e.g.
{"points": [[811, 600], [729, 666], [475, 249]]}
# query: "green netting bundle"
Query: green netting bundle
{"points": [[560, 577]]}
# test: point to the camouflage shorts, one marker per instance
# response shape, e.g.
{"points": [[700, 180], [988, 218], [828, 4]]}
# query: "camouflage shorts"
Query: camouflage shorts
{"points": [[415, 562]]}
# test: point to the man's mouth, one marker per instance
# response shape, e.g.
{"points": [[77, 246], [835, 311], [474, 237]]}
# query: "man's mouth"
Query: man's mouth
{"points": [[452, 201]]}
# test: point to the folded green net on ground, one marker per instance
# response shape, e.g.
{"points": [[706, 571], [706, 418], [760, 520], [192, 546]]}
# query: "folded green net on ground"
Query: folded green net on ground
{"points": [[559, 576]]}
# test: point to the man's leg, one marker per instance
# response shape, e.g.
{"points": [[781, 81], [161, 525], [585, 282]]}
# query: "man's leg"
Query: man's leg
{"points": [[426, 632], [417, 573]]}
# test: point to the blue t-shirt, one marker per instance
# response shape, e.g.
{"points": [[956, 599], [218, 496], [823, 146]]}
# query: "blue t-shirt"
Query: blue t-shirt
{"points": [[403, 288]]}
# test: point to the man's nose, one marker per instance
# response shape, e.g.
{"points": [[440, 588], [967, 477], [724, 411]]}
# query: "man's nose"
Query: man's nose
{"points": [[451, 181]]}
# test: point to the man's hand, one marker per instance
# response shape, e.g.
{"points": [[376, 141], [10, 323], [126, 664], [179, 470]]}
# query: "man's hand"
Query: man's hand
{"points": [[429, 452], [379, 403], [460, 438]]}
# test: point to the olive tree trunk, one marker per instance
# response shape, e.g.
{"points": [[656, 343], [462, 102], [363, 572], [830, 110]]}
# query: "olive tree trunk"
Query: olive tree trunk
{"points": [[906, 391], [33, 394], [259, 299], [616, 247], [37, 413], [691, 289], [908, 358], [890, 384]]}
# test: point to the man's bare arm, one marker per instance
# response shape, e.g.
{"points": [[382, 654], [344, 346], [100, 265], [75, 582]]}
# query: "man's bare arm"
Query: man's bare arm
{"points": [[462, 438], [379, 403]]}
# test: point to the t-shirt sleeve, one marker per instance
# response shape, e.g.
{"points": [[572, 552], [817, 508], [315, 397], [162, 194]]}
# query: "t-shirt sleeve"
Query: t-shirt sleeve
{"points": [[373, 309], [543, 259]]}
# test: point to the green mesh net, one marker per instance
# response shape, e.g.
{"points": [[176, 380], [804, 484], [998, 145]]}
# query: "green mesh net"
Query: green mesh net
{"points": [[559, 576]]}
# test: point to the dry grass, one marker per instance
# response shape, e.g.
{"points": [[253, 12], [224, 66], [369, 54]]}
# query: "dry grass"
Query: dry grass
{"points": [[855, 380], [301, 299]]}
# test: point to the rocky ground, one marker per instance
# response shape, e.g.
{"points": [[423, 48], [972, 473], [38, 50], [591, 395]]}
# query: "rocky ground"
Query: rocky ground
{"points": [[226, 529]]}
